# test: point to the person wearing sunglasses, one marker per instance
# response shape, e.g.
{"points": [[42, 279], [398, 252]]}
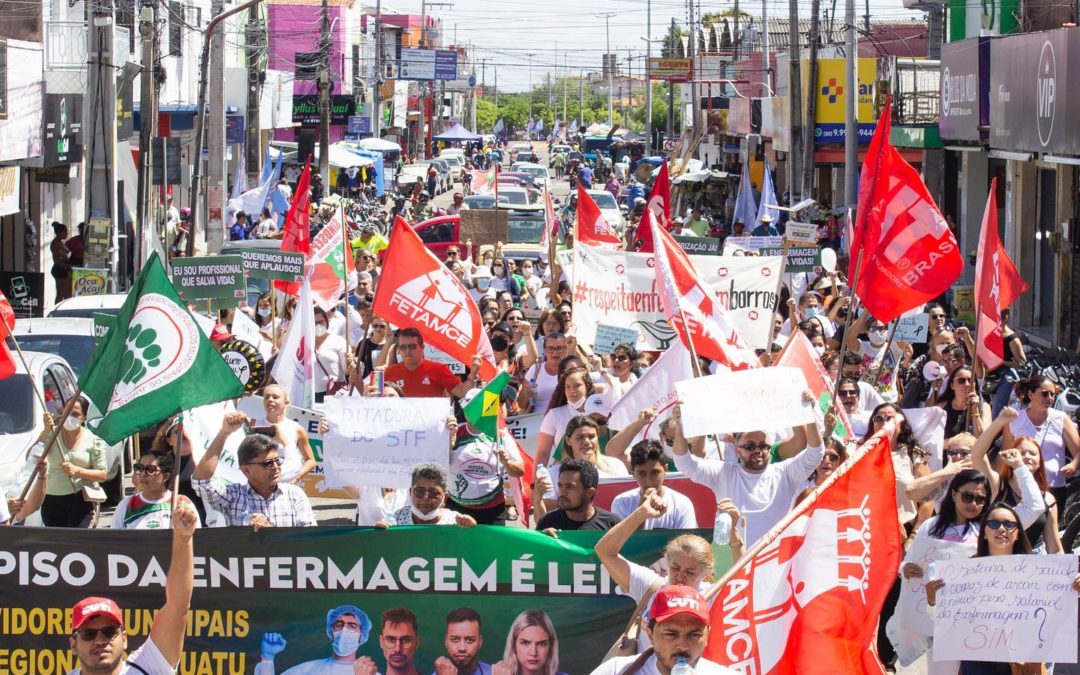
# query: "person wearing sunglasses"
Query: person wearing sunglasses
{"points": [[427, 501], [881, 362], [1053, 430], [964, 409], [620, 376], [848, 394], [835, 455], [264, 501], [761, 490], [150, 508], [1019, 480], [98, 637]]}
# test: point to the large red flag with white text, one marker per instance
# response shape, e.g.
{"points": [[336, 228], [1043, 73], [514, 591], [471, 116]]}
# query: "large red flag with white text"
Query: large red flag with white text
{"points": [[417, 290], [808, 602], [296, 233], [657, 209], [592, 228], [909, 255], [7, 317], [997, 285], [692, 308]]}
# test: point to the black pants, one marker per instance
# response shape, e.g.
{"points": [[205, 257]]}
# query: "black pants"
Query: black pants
{"points": [[68, 511], [884, 646], [495, 515]]}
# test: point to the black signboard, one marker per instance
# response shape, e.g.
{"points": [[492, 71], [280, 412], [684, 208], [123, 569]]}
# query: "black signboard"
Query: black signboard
{"points": [[26, 293], [167, 151], [306, 109], [965, 79], [63, 129]]}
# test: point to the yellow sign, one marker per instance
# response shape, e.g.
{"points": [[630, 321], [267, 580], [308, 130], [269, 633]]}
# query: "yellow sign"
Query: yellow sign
{"points": [[674, 70], [831, 111], [86, 281]]}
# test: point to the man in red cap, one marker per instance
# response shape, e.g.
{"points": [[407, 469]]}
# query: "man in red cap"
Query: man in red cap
{"points": [[98, 637], [678, 625]]}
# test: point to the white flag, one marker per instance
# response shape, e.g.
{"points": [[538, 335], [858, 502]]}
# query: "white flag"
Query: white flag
{"points": [[294, 369], [656, 388]]}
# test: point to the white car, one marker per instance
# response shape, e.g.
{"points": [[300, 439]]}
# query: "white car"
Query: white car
{"points": [[21, 421], [86, 306], [609, 208], [457, 164], [515, 196], [71, 338], [408, 175], [539, 173]]}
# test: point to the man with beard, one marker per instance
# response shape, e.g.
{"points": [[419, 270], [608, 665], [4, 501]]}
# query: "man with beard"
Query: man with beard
{"points": [[578, 481], [98, 637], [463, 643], [399, 641]]}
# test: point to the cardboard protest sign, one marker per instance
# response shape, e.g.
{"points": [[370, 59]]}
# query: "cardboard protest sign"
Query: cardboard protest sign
{"points": [[608, 337], [1014, 608], [378, 441], [617, 288], [912, 608], [485, 227], [209, 277], [768, 399]]}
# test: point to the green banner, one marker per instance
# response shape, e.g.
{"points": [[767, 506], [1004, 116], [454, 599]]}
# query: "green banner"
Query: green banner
{"points": [[271, 264], [103, 323], [285, 580], [799, 258], [209, 277], [698, 245]]}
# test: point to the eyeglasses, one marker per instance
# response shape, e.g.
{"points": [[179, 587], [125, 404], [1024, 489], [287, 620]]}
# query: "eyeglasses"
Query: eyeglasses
{"points": [[269, 464], [1046, 393], [620, 357], [148, 469], [342, 625], [849, 393], [430, 493], [379, 326], [880, 419], [937, 317], [453, 253], [554, 350], [995, 524], [877, 329], [670, 442], [750, 447], [972, 498], [962, 380], [959, 452], [954, 359], [831, 457], [408, 347], [90, 634]]}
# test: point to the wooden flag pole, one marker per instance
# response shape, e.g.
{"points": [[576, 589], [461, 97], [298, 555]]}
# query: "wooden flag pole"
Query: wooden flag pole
{"points": [[176, 464]]}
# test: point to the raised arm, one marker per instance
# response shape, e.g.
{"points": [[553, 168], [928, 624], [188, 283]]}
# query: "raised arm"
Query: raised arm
{"points": [[167, 631], [618, 446], [607, 549], [979, 459], [921, 488], [303, 444], [1031, 504], [209, 462]]}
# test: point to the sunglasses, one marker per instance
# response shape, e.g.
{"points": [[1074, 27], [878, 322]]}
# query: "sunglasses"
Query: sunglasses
{"points": [[831, 457], [269, 463], [750, 447], [972, 498], [620, 357], [880, 419], [148, 469], [453, 253], [90, 634], [1046, 393], [995, 524], [849, 393], [407, 347], [962, 380], [954, 359], [431, 493], [669, 442]]}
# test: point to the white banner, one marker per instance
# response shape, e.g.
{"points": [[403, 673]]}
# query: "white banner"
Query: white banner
{"points": [[769, 399], [201, 426], [378, 441], [1006, 609], [617, 288], [526, 430], [655, 389], [911, 608]]}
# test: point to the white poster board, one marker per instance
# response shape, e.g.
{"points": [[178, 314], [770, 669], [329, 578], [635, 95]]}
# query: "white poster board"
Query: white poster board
{"points": [[1016, 608], [913, 328], [377, 442], [800, 233], [609, 337], [912, 607], [526, 430], [768, 399]]}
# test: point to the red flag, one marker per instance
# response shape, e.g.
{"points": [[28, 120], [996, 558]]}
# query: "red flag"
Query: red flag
{"points": [[657, 208], [592, 228], [296, 234], [521, 486], [692, 307], [997, 285], [416, 290], [7, 316], [800, 353], [909, 255], [808, 602]]}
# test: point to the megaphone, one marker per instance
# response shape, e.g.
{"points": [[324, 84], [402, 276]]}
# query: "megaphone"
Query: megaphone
{"points": [[933, 371]]}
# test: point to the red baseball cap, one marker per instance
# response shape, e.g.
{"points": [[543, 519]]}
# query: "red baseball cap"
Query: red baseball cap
{"points": [[671, 601], [88, 608], [220, 333]]}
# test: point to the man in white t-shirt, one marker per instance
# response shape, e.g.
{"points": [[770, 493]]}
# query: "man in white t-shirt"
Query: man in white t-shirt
{"points": [[99, 639], [679, 629], [648, 466], [761, 490]]}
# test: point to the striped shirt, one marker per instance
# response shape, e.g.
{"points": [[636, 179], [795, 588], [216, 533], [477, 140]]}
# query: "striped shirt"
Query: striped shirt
{"points": [[139, 513], [287, 505]]}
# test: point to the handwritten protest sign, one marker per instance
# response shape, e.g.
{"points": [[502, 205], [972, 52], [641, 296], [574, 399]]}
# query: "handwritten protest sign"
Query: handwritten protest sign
{"points": [[1017, 608], [769, 399], [911, 607], [526, 430], [801, 233], [378, 441], [913, 328], [608, 337]]}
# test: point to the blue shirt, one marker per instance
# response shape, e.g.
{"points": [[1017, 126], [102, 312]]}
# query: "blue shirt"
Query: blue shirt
{"points": [[765, 230], [586, 176], [237, 232]]}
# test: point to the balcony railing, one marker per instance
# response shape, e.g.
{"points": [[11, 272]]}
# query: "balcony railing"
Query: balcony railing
{"points": [[65, 45]]}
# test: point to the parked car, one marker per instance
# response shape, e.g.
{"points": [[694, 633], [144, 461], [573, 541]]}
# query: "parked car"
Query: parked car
{"points": [[408, 175], [71, 338], [539, 173], [609, 208], [456, 164], [87, 305], [21, 420]]}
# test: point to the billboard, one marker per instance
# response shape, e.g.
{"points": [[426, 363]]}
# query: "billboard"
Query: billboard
{"points": [[831, 111], [428, 64], [670, 70], [965, 78]]}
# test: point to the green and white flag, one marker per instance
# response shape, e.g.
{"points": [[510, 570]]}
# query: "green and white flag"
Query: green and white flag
{"points": [[154, 363]]}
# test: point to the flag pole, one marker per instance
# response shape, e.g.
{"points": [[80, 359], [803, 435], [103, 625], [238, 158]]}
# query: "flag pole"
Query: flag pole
{"points": [[345, 249], [176, 464], [847, 320], [779, 290], [696, 368], [52, 441]]}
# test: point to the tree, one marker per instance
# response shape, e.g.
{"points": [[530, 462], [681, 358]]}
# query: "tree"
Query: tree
{"points": [[486, 115]]}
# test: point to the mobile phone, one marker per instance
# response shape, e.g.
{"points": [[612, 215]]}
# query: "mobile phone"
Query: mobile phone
{"points": [[268, 430]]}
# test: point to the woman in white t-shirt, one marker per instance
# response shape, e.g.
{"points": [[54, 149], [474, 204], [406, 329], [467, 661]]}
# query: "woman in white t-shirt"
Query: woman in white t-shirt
{"points": [[150, 508], [687, 561], [620, 377], [567, 402], [330, 363], [1052, 430]]}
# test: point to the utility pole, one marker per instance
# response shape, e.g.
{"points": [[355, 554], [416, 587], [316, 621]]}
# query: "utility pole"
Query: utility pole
{"points": [[324, 100], [629, 88], [530, 88], [146, 215], [648, 82], [377, 75], [866, 17], [851, 124], [496, 68], [765, 43], [610, 62], [215, 170], [811, 100], [691, 51], [581, 98], [672, 37], [255, 42], [794, 155], [101, 129], [566, 74]]}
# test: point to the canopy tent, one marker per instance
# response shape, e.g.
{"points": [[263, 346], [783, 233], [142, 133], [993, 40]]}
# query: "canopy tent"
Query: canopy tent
{"points": [[458, 134], [341, 157], [700, 176], [377, 144]]}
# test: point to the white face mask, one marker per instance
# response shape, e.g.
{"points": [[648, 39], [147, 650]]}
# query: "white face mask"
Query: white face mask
{"points": [[346, 642], [426, 517], [483, 283], [819, 350], [263, 312], [876, 339], [526, 272], [72, 423], [811, 312], [320, 330]]}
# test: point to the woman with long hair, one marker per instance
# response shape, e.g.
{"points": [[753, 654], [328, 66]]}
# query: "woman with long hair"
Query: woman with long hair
{"points": [[1020, 482], [77, 460], [582, 441], [521, 338], [620, 376], [835, 455], [574, 386], [964, 409], [909, 458], [550, 321], [532, 647]]}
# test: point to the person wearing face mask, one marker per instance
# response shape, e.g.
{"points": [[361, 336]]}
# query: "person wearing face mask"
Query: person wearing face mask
{"points": [[347, 627], [809, 308], [533, 281], [77, 459], [330, 363], [567, 402], [427, 501], [264, 317], [503, 280], [880, 365]]}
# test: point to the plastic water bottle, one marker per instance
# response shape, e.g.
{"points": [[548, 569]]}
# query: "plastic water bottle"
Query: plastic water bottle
{"points": [[931, 570], [682, 667], [721, 532], [542, 474]]}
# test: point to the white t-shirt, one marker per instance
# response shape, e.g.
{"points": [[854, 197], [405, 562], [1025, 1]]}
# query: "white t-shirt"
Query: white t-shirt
{"points": [[542, 385], [329, 362], [289, 431], [372, 505], [762, 498], [556, 419], [679, 515], [619, 663], [148, 657], [476, 473], [869, 398]]}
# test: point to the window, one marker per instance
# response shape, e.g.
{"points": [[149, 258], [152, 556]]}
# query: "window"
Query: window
{"points": [[437, 234], [17, 414], [65, 380], [54, 401]]}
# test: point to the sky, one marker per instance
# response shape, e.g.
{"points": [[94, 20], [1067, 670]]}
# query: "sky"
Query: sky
{"points": [[568, 36]]}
